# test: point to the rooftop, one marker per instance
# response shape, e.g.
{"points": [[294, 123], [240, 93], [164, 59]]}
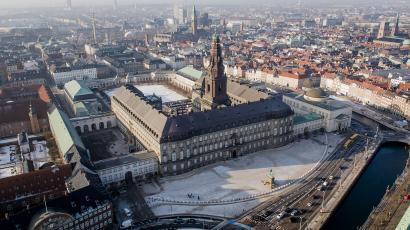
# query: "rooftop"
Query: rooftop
{"points": [[77, 89], [124, 160], [66, 135], [198, 123], [190, 72], [328, 104], [306, 118]]}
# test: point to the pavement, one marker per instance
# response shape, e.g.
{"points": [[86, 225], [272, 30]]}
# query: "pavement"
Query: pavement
{"points": [[237, 183]]}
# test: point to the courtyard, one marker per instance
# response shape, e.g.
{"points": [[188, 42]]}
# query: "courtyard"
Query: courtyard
{"points": [[168, 93], [106, 143], [237, 179]]}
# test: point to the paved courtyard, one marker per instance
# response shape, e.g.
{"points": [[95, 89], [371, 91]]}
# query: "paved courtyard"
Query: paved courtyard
{"points": [[238, 178], [106, 143]]}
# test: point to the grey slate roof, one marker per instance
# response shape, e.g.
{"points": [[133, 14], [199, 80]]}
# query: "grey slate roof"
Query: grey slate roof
{"points": [[198, 123], [245, 92]]}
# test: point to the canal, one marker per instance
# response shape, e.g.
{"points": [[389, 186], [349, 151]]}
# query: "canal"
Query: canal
{"points": [[387, 164]]}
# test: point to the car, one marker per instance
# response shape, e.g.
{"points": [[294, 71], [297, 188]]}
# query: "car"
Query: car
{"points": [[191, 221], [295, 212], [178, 221], [325, 183], [127, 212], [310, 204], [331, 177], [319, 188], [126, 224], [281, 215]]}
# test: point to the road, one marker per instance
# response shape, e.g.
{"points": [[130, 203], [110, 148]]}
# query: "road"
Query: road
{"points": [[307, 191]]}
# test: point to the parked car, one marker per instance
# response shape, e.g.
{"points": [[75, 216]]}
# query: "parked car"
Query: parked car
{"points": [[127, 212], [126, 224], [281, 215], [295, 212]]}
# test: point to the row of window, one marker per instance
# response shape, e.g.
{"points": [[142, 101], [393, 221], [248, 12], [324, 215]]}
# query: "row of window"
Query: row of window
{"points": [[213, 156], [127, 167], [255, 128], [92, 224], [121, 176], [219, 145]]}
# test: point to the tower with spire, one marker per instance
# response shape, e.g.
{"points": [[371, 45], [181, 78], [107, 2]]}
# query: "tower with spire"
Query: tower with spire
{"points": [[68, 5], [215, 87], [194, 21], [395, 29], [115, 6], [35, 126], [94, 32]]}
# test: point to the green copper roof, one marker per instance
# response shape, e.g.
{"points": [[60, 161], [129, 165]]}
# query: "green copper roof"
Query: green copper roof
{"points": [[77, 89], [191, 73], [64, 133]]}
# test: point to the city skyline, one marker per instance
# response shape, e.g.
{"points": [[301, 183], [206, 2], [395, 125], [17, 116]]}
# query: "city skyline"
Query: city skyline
{"points": [[78, 3], [137, 114]]}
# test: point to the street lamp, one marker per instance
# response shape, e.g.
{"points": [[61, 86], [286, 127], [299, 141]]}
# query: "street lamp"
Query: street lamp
{"points": [[323, 200]]}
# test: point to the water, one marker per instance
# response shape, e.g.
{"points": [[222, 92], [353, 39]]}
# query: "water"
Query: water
{"points": [[368, 191]]}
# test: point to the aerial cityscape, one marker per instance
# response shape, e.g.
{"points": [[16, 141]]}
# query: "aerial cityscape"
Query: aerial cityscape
{"points": [[193, 115]]}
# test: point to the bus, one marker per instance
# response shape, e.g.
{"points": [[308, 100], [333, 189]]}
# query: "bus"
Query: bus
{"points": [[347, 144], [351, 139], [354, 137]]}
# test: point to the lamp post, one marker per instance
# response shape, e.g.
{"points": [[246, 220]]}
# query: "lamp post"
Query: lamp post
{"points": [[323, 200]]}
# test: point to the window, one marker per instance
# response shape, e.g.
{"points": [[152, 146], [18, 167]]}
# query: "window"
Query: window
{"points": [[181, 155], [174, 156]]}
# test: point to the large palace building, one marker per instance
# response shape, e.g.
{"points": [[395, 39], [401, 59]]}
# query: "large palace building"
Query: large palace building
{"points": [[225, 120]]}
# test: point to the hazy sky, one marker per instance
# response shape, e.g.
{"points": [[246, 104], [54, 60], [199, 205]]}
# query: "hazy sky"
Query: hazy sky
{"points": [[56, 3]]}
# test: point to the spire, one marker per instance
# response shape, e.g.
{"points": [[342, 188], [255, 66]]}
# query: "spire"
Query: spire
{"points": [[395, 29], [216, 81], [216, 67], [194, 21], [94, 32]]}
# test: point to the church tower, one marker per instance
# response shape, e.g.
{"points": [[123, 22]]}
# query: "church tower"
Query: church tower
{"points": [[383, 29], [194, 21], [395, 29], [216, 80], [35, 126]]}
